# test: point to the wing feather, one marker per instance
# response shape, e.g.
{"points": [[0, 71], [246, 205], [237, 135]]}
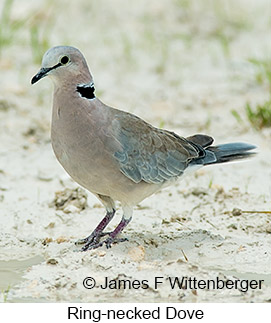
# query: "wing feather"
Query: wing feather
{"points": [[150, 154]]}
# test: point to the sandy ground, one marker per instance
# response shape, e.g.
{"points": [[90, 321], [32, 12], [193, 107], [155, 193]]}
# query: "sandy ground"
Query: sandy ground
{"points": [[169, 63]]}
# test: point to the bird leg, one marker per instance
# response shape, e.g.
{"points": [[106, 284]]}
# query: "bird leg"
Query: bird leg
{"points": [[112, 237], [95, 236]]}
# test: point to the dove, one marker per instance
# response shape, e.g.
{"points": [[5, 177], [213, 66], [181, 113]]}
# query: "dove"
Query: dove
{"points": [[114, 154]]}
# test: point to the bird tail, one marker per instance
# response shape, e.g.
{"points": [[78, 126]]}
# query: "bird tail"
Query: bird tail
{"points": [[227, 152]]}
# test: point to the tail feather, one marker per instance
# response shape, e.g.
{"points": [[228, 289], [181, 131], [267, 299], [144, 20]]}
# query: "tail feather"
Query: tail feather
{"points": [[228, 152]]}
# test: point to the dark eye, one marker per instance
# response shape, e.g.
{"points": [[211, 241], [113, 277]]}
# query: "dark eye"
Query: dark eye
{"points": [[64, 60]]}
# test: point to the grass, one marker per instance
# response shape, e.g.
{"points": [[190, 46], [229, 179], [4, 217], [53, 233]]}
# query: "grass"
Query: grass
{"points": [[210, 183], [5, 294], [39, 41], [263, 71], [5, 23], [39, 27], [161, 124], [230, 20], [8, 26], [223, 39], [259, 117], [237, 116]]}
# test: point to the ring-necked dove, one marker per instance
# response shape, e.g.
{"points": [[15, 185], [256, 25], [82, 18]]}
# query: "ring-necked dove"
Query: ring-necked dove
{"points": [[115, 154]]}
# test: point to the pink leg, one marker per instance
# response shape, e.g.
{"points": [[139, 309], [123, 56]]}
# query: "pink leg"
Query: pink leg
{"points": [[112, 237], [97, 233]]}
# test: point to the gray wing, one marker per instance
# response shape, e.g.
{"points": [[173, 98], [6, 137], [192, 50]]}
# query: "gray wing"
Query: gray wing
{"points": [[149, 154]]}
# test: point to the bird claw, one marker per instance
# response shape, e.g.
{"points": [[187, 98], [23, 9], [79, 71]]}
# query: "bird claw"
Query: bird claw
{"points": [[107, 242], [93, 238]]}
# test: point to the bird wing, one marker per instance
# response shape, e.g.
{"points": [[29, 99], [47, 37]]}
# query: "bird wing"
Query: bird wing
{"points": [[150, 154]]}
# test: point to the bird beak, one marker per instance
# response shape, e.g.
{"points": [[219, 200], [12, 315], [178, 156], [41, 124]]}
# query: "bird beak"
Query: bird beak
{"points": [[41, 73]]}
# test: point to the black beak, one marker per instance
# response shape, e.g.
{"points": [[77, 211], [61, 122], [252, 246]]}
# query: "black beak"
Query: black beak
{"points": [[43, 72]]}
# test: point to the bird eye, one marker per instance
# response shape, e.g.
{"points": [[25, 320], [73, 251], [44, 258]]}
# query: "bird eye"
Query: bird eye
{"points": [[64, 60]]}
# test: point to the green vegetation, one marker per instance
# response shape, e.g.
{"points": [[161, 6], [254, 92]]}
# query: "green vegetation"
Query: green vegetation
{"points": [[8, 26], [161, 124], [38, 23], [39, 38], [5, 294], [261, 116], [224, 40], [263, 71], [237, 116]]}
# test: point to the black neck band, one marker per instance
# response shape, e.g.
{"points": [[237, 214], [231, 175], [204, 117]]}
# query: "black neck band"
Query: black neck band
{"points": [[86, 90]]}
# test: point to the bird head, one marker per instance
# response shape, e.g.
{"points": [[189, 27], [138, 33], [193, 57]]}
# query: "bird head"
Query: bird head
{"points": [[63, 64]]}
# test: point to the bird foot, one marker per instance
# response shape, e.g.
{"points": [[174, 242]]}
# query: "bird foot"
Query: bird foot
{"points": [[93, 238], [107, 242]]}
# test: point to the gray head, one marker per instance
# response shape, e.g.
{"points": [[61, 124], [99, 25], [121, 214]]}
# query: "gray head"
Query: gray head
{"points": [[64, 64]]}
